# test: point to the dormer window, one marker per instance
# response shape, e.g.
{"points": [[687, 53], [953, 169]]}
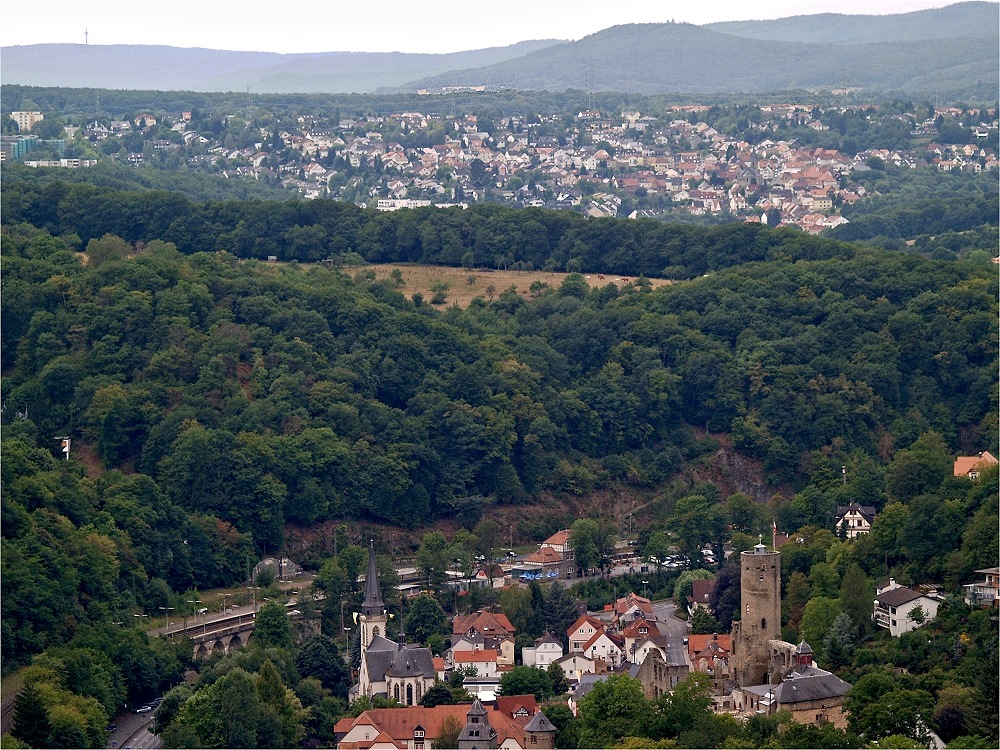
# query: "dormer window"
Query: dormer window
{"points": [[418, 734]]}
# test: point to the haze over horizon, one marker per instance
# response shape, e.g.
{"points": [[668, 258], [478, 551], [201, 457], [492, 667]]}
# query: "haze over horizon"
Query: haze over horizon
{"points": [[398, 26]]}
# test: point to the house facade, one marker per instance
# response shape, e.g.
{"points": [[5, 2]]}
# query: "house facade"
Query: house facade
{"points": [[971, 466], [985, 593], [899, 609], [853, 520], [582, 631], [546, 650]]}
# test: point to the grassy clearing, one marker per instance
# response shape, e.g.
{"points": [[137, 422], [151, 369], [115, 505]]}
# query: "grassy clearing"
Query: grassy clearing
{"points": [[464, 285]]}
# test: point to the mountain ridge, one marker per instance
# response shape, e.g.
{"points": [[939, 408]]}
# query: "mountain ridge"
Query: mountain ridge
{"points": [[951, 49]]}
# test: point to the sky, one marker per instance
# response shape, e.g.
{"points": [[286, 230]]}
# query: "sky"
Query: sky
{"points": [[387, 26]]}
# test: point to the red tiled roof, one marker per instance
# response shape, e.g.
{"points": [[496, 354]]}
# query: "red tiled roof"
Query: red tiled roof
{"points": [[544, 555], [965, 464], [697, 643], [560, 537], [483, 622], [397, 724], [481, 655], [508, 705], [633, 628]]}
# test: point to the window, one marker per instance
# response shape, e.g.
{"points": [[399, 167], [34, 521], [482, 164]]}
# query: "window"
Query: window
{"points": [[418, 733]]}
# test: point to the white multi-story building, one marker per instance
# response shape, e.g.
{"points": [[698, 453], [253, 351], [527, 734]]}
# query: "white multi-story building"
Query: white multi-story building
{"points": [[899, 609]]}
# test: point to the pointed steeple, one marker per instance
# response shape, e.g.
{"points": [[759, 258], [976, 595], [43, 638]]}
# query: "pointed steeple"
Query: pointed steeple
{"points": [[372, 604]]}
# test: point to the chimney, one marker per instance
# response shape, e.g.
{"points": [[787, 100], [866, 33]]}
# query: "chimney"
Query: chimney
{"points": [[715, 636]]}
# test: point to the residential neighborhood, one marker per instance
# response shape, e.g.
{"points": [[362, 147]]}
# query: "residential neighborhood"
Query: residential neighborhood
{"points": [[599, 163]]}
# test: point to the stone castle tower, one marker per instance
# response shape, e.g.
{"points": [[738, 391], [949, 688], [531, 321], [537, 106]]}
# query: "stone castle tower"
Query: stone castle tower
{"points": [[760, 609]]}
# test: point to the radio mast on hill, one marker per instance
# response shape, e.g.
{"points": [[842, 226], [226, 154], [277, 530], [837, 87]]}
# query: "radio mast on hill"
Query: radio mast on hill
{"points": [[86, 35]]}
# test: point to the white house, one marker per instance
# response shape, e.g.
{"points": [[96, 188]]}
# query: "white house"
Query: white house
{"points": [[603, 646], [483, 660], [546, 650], [582, 631], [854, 519], [895, 607], [575, 665]]}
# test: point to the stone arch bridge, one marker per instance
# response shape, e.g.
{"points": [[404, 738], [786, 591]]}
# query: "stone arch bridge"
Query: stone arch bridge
{"points": [[221, 633]]}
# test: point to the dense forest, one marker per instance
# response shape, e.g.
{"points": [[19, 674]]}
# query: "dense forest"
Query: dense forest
{"points": [[215, 401], [484, 235]]}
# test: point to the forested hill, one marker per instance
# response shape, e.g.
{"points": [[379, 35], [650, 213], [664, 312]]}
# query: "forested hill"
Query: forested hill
{"points": [[657, 58], [953, 21], [484, 235], [220, 399], [136, 66]]}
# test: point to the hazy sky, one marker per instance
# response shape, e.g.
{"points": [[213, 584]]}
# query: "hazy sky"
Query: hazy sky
{"points": [[387, 26]]}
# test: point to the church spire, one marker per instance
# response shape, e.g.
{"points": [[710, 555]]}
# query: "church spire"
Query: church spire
{"points": [[372, 604]]}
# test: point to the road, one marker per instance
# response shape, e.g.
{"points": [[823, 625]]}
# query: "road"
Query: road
{"points": [[674, 628], [133, 732]]}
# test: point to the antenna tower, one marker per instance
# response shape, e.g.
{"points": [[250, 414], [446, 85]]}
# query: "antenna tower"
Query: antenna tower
{"points": [[86, 36], [590, 85]]}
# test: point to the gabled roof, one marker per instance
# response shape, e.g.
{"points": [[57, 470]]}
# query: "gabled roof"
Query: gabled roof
{"points": [[398, 723], [965, 464], [509, 705], [492, 623], [481, 655], [697, 643], [559, 538], [545, 555], [806, 683], [549, 638], [630, 600], [701, 589], [632, 629], [897, 597], [867, 511], [597, 636], [585, 620], [411, 660]]}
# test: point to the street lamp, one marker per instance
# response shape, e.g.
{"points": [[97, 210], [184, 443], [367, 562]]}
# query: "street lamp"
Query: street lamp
{"points": [[194, 611], [166, 613]]}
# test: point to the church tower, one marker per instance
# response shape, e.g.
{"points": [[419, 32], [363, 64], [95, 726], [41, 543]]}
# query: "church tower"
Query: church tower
{"points": [[373, 616], [760, 609]]}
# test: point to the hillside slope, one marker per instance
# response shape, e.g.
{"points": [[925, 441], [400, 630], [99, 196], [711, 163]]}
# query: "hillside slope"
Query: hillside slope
{"points": [[663, 58], [123, 66], [968, 19]]}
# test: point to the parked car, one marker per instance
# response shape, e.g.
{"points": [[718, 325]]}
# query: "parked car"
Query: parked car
{"points": [[144, 709]]}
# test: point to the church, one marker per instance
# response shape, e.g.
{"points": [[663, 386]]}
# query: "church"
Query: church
{"points": [[390, 669]]}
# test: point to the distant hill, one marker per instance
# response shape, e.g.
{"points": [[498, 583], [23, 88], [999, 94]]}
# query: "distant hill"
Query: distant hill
{"points": [[123, 66], [666, 58], [949, 51], [969, 19]]}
